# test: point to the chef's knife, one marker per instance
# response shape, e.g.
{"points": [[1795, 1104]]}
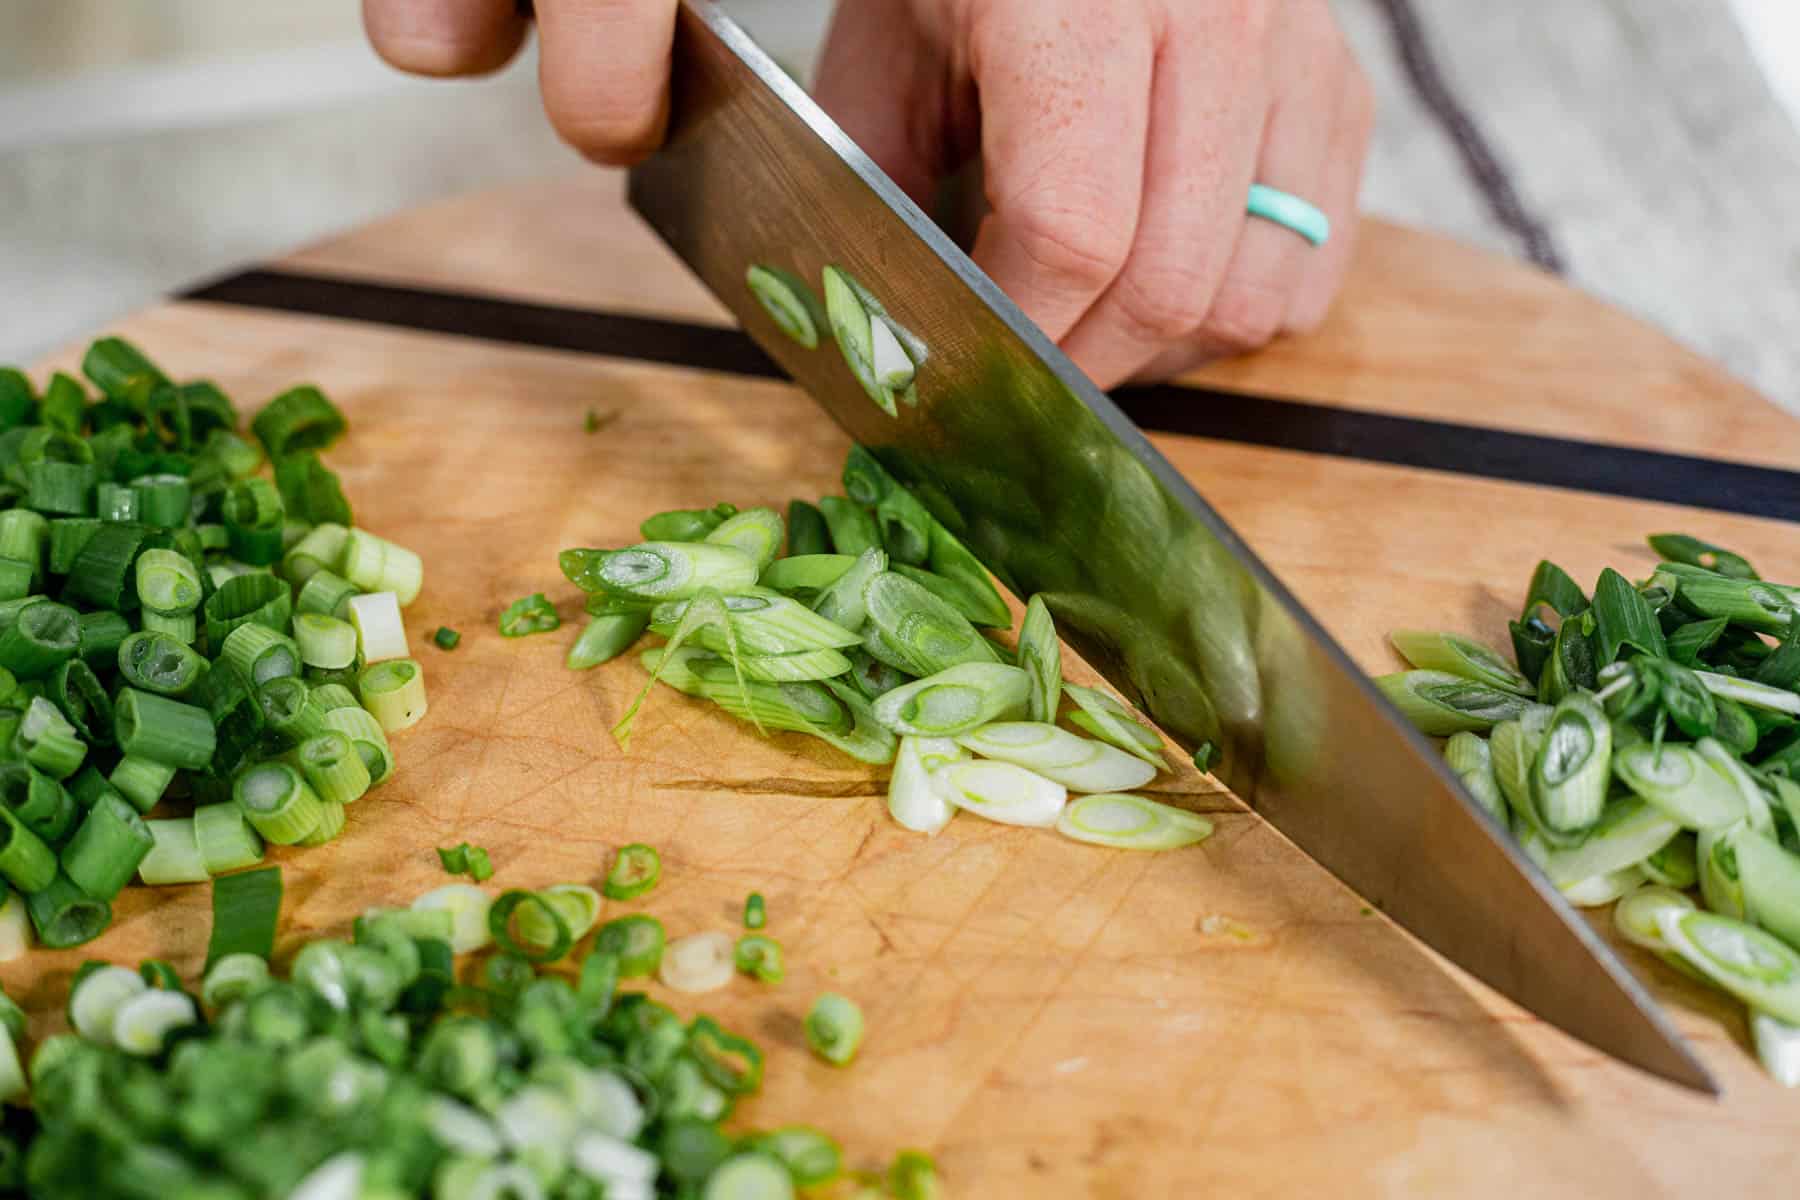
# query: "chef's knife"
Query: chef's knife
{"points": [[1060, 495]]}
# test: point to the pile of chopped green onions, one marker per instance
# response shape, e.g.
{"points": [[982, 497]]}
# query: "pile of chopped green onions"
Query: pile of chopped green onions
{"points": [[1641, 745], [381, 1067], [874, 633], [195, 658]]}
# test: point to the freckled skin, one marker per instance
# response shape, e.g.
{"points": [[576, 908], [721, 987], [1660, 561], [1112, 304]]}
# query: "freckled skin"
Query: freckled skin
{"points": [[1118, 140]]}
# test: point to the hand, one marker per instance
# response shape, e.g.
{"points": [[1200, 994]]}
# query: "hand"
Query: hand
{"points": [[1119, 140]]}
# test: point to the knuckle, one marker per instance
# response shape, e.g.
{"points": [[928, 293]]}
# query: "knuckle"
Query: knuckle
{"points": [[609, 133], [1163, 305], [1075, 242], [1246, 315]]}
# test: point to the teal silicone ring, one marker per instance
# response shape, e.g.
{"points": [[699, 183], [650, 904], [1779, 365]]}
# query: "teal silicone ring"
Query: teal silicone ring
{"points": [[1289, 212]]}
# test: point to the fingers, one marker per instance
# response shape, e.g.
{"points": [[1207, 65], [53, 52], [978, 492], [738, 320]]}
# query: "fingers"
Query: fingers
{"points": [[1338, 191], [1207, 111], [1065, 112], [603, 68], [884, 82], [444, 37]]}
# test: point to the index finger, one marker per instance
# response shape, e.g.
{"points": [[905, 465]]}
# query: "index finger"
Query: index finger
{"points": [[1065, 103]]}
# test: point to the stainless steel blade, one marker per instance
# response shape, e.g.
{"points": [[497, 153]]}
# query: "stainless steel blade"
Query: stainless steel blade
{"points": [[1059, 494]]}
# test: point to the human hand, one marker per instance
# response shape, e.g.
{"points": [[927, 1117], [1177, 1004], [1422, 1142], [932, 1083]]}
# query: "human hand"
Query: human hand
{"points": [[1119, 140]]}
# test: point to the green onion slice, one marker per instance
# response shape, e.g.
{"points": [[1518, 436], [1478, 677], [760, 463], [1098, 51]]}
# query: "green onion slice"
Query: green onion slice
{"points": [[844, 602], [1001, 792], [929, 633], [759, 957], [1770, 877], [1079, 764], [792, 305], [700, 962], [763, 621], [1440, 704], [468, 907], [756, 911], [1126, 822], [605, 638], [246, 912], [1681, 783], [1112, 722], [1628, 832], [758, 532], [660, 570], [834, 1028], [807, 572], [1637, 914], [957, 700], [1040, 657], [1679, 547], [394, 693], [1778, 1047], [1456, 655], [524, 616], [1752, 965], [634, 872], [96, 998], [1569, 779], [637, 942], [914, 800], [550, 936]]}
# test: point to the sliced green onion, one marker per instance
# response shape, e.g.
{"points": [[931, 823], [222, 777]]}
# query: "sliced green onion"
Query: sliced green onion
{"points": [[1751, 693], [330, 643], [1770, 877], [95, 1000], [763, 622], [1777, 1047], [1040, 657], [366, 734], [1749, 603], [277, 801], [380, 633], [326, 592], [38, 801], [845, 601], [634, 872], [812, 572], [465, 859], [175, 855], [375, 564], [333, 767], [1675, 865], [807, 533], [1112, 722], [394, 693], [310, 491], [1001, 792], [1755, 967], [445, 638], [260, 655], [1440, 704], [231, 977], [48, 741], [106, 849], [246, 910], [605, 638], [1571, 666], [1078, 763], [834, 1028], [255, 598], [1628, 832], [64, 916], [25, 860], [1679, 547], [524, 616], [660, 570], [43, 636], [15, 927], [1456, 655], [167, 582], [788, 301], [759, 957], [156, 662], [226, 840], [299, 419], [1570, 777], [685, 524], [1469, 756], [852, 527], [141, 780], [254, 518], [332, 818], [1623, 618], [758, 532], [1598, 891], [955, 701], [637, 942], [700, 962], [469, 908], [321, 549], [163, 730], [914, 800], [1681, 783], [1131, 823], [1637, 913], [930, 634], [549, 937], [1720, 885]]}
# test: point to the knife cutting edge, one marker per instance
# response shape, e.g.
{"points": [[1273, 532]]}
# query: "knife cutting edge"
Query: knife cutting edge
{"points": [[1060, 495]]}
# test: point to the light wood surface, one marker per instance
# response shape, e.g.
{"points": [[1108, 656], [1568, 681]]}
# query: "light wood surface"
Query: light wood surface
{"points": [[1049, 1019]]}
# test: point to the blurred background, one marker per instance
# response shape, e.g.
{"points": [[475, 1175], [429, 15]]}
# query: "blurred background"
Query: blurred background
{"points": [[1649, 149]]}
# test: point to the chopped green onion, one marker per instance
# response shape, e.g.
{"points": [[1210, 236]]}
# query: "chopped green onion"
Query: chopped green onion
{"points": [[232, 977], [1720, 884], [808, 572], [1131, 823], [913, 1176], [1676, 865], [634, 872], [175, 855], [685, 524], [310, 491], [844, 602], [366, 734], [788, 301], [167, 582], [260, 655], [1001, 792], [637, 942], [605, 638], [374, 564], [543, 937], [41, 637], [1770, 877], [15, 927], [1570, 666], [1460, 656], [807, 533], [1682, 784], [1750, 692], [1777, 1047], [163, 730], [758, 532], [278, 802], [1469, 756], [528, 615], [469, 908], [1441, 704], [1570, 777], [380, 634], [660, 570], [246, 910], [445, 638], [143, 1023], [156, 662], [256, 598], [333, 767], [914, 800], [141, 780], [64, 916], [298, 419], [95, 1000], [955, 701], [1112, 722], [330, 643], [48, 741], [1078, 763], [1758, 969], [1623, 618], [1679, 547], [852, 527], [834, 1028], [326, 592], [226, 840], [1040, 657], [320, 550], [25, 860], [106, 849], [759, 957], [930, 634], [700, 962], [393, 692], [763, 622]]}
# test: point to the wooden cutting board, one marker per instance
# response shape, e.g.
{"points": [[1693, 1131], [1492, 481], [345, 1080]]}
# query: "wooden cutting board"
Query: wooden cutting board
{"points": [[1049, 1019]]}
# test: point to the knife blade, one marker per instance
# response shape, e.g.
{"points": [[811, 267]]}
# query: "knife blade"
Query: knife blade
{"points": [[1025, 460]]}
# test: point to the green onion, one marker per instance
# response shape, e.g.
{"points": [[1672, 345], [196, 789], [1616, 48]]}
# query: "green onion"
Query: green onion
{"points": [[807, 533], [759, 957], [763, 622], [1749, 603], [1770, 877], [810, 1157], [1040, 657], [320, 550], [225, 839], [254, 519], [1675, 865], [257, 598], [163, 502], [605, 638], [15, 927], [834, 1028], [660, 570], [332, 818], [64, 916], [375, 616], [260, 655], [549, 937], [365, 733], [1679, 547], [333, 767], [1749, 692], [156, 662], [914, 800], [685, 524], [163, 730], [1682, 784], [1777, 1047], [310, 491], [1758, 969], [42, 637], [1126, 822], [1441, 704], [106, 849], [788, 301], [1570, 666], [25, 860], [246, 910], [1569, 780], [393, 692], [758, 532], [955, 701], [1001, 792], [231, 977], [1111, 722], [1079, 764], [468, 907], [48, 741], [374, 564], [700, 962], [298, 419], [528, 615], [23, 535], [1461, 656], [634, 872], [95, 1000], [326, 592], [175, 856], [1471, 759], [141, 781], [445, 638], [852, 527], [326, 641], [853, 328], [637, 942], [38, 801], [277, 801], [930, 634], [845, 601], [808, 572]]}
